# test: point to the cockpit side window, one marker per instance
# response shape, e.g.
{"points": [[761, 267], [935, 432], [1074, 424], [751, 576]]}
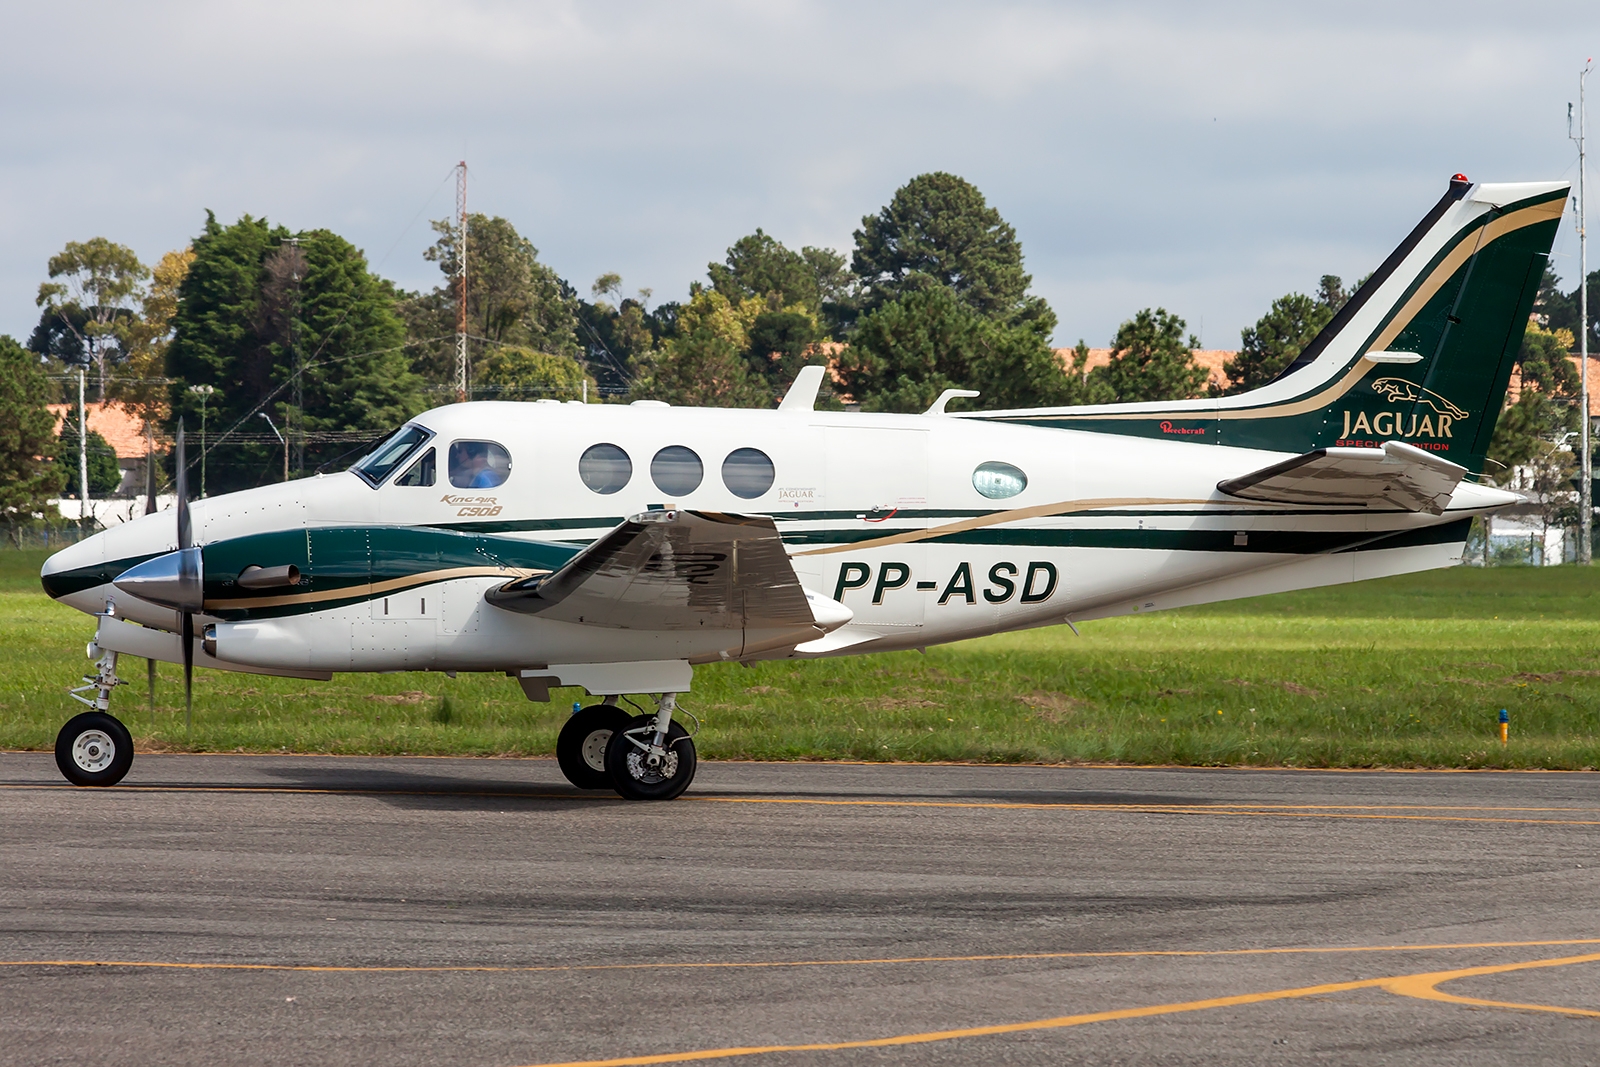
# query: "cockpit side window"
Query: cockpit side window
{"points": [[378, 464], [478, 464], [422, 472]]}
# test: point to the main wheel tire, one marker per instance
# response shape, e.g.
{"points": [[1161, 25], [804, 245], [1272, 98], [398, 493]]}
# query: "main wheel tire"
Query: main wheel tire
{"points": [[629, 769], [581, 747], [94, 749]]}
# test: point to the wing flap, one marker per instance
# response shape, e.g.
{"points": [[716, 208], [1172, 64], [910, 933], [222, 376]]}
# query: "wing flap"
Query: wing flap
{"points": [[1398, 475], [674, 570]]}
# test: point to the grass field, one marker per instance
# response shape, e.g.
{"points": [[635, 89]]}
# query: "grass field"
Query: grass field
{"points": [[1404, 672]]}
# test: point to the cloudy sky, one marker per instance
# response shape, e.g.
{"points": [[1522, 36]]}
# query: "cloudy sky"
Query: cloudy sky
{"points": [[1202, 157]]}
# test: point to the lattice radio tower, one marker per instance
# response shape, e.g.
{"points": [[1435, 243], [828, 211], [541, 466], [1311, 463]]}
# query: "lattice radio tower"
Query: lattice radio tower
{"points": [[461, 280]]}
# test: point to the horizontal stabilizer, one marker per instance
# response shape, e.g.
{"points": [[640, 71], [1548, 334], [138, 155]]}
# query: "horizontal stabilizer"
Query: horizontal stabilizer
{"points": [[1398, 474], [676, 570]]}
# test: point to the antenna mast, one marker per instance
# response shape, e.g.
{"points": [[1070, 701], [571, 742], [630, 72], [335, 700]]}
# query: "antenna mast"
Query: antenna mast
{"points": [[1586, 469], [461, 280]]}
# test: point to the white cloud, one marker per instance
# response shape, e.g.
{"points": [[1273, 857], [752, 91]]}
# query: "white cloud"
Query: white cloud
{"points": [[1203, 157]]}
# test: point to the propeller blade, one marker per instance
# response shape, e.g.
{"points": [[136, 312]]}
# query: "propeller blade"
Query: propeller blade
{"points": [[188, 670], [185, 534], [185, 540], [150, 470]]}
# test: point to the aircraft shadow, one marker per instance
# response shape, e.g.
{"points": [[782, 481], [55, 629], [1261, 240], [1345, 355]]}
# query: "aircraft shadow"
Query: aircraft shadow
{"points": [[411, 789]]}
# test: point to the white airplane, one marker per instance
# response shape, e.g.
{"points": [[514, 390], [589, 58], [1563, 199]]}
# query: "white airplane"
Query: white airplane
{"points": [[615, 547]]}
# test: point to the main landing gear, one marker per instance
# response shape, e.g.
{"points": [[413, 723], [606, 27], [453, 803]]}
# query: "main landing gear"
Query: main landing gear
{"points": [[642, 757], [94, 748]]}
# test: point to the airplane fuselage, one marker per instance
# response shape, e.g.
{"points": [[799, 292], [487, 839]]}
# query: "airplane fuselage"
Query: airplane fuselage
{"points": [[887, 514]]}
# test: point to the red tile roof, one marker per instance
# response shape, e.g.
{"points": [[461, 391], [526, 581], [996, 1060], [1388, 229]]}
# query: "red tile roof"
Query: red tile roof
{"points": [[1211, 359], [122, 429]]}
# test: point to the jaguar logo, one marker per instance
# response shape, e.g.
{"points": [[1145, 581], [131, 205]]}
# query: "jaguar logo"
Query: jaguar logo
{"points": [[1398, 390], [1427, 429]]}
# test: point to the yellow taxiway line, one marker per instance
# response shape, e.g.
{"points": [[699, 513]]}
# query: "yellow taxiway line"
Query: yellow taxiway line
{"points": [[1421, 986]]}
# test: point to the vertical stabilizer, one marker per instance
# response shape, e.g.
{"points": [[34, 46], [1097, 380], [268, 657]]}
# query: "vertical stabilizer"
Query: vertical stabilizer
{"points": [[1421, 354]]}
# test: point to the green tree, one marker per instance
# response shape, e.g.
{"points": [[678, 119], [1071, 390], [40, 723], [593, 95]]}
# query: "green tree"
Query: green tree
{"points": [[619, 334], [815, 279], [780, 343], [104, 472], [702, 368], [1083, 386], [512, 299], [513, 373], [760, 266], [939, 231], [1280, 335], [266, 316], [1531, 431], [357, 374], [838, 290], [906, 352], [93, 285], [771, 343], [28, 475], [140, 387], [1151, 360], [1559, 311]]}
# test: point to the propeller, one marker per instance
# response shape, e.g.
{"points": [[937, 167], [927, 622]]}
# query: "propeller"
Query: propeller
{"points": [[175, 580], [185, 542], [150, 509]]}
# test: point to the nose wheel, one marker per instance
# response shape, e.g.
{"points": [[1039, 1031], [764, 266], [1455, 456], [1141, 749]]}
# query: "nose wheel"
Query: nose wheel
{"points": [[94, 749]]}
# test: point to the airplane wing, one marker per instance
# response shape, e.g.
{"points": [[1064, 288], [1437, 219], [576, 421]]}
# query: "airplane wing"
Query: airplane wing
{"points": [[1398, 474], [677, 570]]}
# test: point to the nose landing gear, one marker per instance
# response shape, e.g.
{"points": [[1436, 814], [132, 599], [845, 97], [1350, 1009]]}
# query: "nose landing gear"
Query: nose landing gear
{"points": [[94, 748]]}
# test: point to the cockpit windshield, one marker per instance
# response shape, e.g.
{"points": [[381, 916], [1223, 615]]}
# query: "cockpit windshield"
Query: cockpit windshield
{"points": [[378, 464]]}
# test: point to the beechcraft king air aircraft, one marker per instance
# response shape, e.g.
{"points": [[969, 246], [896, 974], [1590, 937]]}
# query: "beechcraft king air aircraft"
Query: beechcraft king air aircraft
{"points": [[615, 547]]}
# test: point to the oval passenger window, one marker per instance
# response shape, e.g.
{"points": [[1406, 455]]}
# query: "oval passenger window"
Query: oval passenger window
{"points": [[605, 468], [478, 464], [676, 470], [998, 480], [747, 472]]}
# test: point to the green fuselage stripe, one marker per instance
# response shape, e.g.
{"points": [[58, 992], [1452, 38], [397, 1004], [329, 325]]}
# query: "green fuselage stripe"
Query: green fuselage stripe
{"points": [[366, 562]]}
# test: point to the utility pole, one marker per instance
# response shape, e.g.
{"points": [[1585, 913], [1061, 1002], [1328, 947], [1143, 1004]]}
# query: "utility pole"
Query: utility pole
{"points": [[461, 280], [204, 393], [83, 456], [1586, 471]]}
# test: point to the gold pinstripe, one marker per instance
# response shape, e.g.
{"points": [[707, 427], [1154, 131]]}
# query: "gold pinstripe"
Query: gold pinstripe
{"points": [[1038, 511], [370, 589]]}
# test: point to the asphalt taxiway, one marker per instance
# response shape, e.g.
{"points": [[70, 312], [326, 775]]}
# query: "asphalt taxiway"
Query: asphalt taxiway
{"points": [[265, 909]]}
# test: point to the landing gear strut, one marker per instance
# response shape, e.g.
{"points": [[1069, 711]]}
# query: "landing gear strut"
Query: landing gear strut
{"points": [[652, 757], [94, 748]]}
